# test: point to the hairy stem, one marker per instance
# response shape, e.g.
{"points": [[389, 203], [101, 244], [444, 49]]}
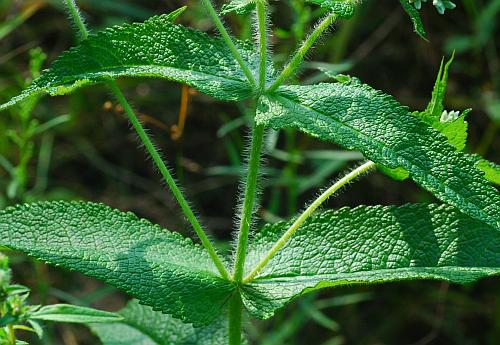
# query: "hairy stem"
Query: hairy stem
{"points": [[235, 315], [248, 201], [302, 51], [261, 18], [11, 334], [230, 44], [73, 9], [76, 16], [363, 169], [168, 178]]}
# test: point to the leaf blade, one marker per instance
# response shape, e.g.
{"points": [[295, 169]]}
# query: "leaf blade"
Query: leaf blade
{"points": [[155, 48], [160, 268], [240, 7], [370, 244], [143, 326], [358, 117], [452, 124], [414, 15], [491, 170], [342, 8], [74, 314]]}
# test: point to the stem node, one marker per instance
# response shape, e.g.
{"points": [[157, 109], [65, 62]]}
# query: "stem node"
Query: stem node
{"points": [[361, 170]]}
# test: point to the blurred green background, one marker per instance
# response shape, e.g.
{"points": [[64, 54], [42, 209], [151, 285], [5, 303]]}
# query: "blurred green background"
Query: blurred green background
{"points": [[81, 147]]}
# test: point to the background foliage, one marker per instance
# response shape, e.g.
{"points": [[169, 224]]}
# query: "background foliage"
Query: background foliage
{"points": [[89, 153]]}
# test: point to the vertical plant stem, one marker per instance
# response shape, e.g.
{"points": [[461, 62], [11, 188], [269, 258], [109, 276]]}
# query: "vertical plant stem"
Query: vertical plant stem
{"points": [[261, 18], [76, 16], [168, 178], [363, 169], [302, 51], [230, 44], [235, 316], [73, 9], [248, 201], [11, 334]]}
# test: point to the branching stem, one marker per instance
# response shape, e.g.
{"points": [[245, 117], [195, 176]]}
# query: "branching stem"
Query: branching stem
{"points": [[363, 169], [143, 136], [297, 59], [227, 39]]}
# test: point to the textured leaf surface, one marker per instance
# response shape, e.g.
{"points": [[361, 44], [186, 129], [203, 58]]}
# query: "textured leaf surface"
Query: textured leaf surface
{"points": [[160, 268], [358, 117], [415, 18], [370, 245], [452, 124], [156, 48], [491, 170], [240, 7], [143, 326], [342, 8]]}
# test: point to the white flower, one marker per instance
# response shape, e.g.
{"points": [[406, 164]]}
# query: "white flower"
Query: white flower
{"points": [[449, 116]]}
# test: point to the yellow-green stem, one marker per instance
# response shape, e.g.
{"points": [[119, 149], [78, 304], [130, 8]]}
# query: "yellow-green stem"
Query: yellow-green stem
{"points": [[363, 169], [302, 51], [11, 334]]}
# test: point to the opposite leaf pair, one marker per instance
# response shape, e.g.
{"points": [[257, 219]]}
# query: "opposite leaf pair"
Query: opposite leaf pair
{"points": [[457, 242]]}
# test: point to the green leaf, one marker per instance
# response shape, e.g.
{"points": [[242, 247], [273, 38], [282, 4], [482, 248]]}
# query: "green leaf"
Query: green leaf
{"points": [[415, 18], [156, 48], [370, 245], [37, 328], [452, 124], [342, 8], [358, 117], [412, 8], [240, 7], [143, 326], [73, 314], [398, 174], [160, 268], [490, 169]]}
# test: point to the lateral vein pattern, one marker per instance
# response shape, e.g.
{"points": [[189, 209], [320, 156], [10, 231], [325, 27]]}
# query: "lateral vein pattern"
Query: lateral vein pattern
{"points": [[370, 244], [359, 117]]}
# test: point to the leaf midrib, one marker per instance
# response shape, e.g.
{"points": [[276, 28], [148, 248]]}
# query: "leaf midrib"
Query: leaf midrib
{"points": [[72, 258], [442, 185], [306, 278], [81, 76]]}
